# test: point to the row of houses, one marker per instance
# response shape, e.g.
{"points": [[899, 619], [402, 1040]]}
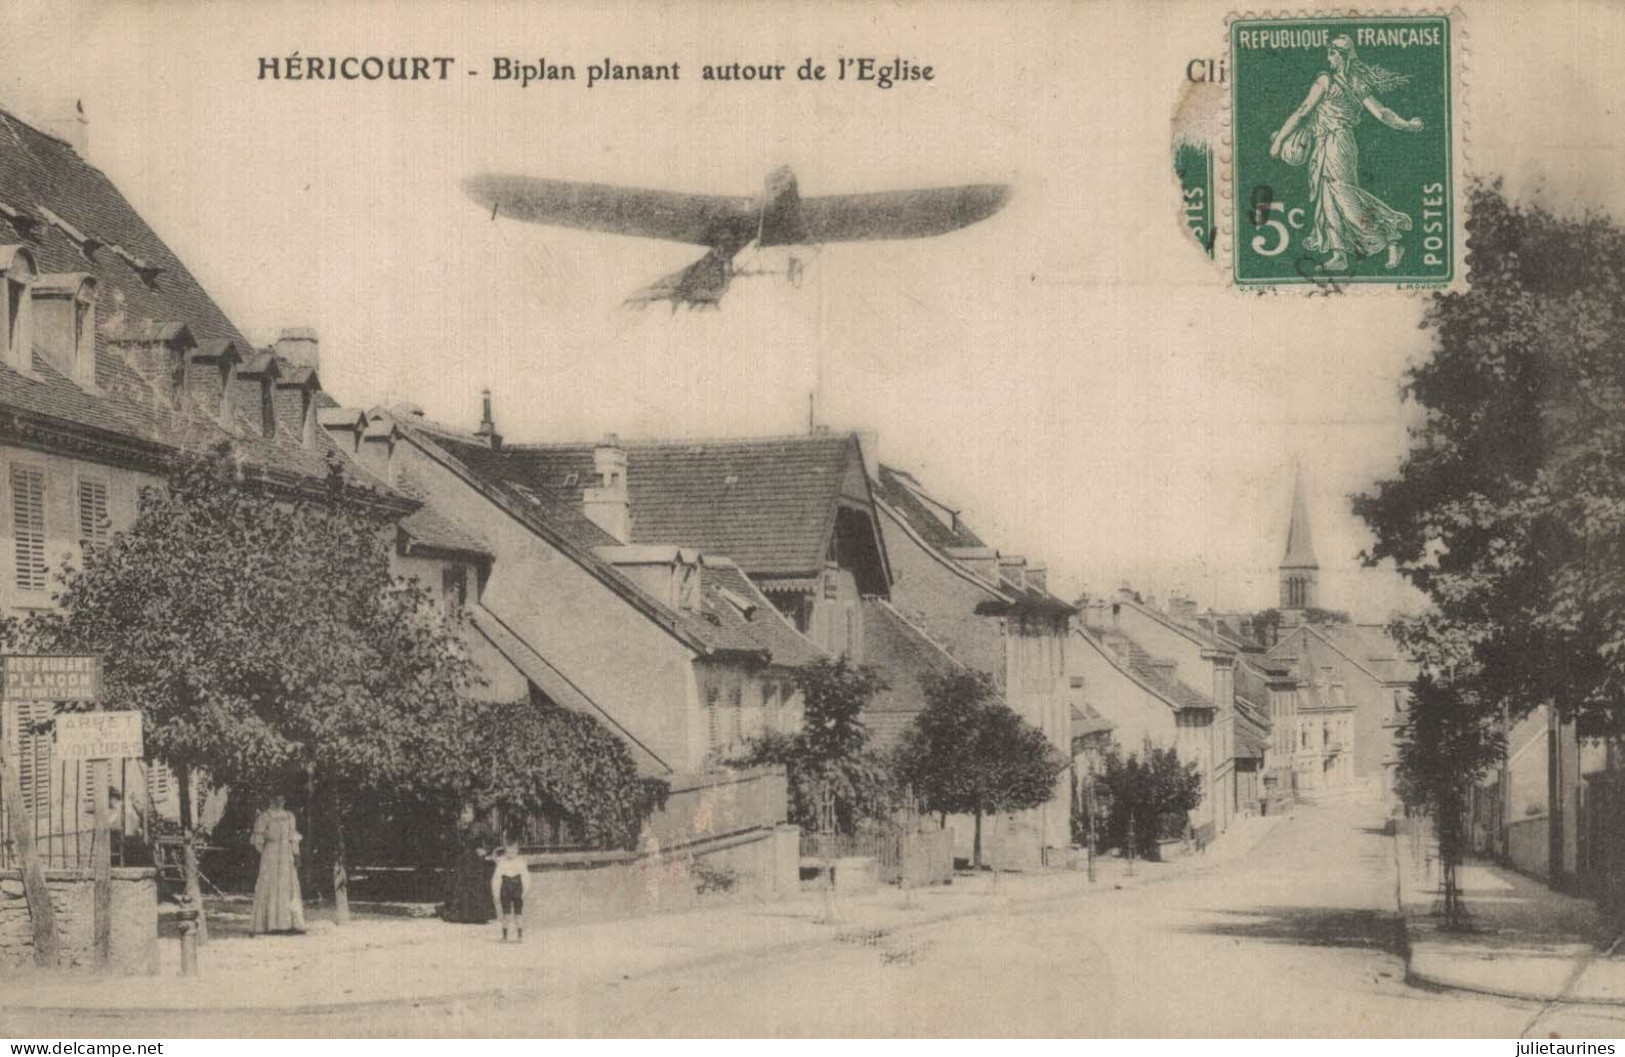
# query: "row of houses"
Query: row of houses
{"points": [[1267, 711], [669, 588]]}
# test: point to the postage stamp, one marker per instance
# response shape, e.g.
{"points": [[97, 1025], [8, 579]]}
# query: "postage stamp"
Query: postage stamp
{"points": [[1343, 144]]}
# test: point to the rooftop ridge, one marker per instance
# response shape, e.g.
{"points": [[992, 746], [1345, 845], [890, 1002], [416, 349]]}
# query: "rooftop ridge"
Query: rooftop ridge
{"points": [[652, 442]]}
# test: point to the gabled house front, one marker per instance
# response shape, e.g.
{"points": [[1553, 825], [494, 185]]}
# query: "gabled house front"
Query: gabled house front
{"points": [[794, 513], [673, 648], [992, 613]]}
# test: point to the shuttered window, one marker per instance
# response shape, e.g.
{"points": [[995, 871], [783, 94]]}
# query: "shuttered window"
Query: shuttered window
{"points": [[34, 754], [94, 525], [28, 525], [713, 720]]}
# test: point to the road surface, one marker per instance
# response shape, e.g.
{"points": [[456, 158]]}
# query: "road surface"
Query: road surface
{"points": [[1292, 934]]}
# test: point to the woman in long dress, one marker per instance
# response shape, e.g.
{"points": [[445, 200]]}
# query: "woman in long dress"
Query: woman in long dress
{"points": [[278, 906], [1348, 219]]}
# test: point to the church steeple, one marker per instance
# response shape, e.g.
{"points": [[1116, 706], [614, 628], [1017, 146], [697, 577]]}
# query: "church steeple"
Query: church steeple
{"points": [[1300, 571]]}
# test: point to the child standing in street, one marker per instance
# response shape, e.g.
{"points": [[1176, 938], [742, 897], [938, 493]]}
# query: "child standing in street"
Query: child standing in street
{"points": [[510, 882]]}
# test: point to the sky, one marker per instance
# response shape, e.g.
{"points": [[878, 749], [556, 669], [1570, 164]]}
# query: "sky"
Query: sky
{"points": [[1070, 373]]}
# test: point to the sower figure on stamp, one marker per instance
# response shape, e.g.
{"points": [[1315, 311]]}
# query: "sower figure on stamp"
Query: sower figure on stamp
{"points": [[1348, 219]]}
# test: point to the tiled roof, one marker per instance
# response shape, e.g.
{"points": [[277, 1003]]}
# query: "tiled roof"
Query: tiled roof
{"points": [[495, 468], [717, 626], [766, 625], [767, 503], [902, 491], [430, 528], [1086, 721], [904, 654], [72, 219], [1158, 676], [1368, 646]]}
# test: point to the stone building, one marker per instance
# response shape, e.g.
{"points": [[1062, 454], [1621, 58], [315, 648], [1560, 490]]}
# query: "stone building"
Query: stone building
{"points": [[992, 613], [112, 359], [670, 645]]}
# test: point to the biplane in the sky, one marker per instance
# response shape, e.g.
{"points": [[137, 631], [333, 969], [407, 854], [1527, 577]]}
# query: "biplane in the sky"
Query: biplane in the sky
{"points": [[726, 224]]}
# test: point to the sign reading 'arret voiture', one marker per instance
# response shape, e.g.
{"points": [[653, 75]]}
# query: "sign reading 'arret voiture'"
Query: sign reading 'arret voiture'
{"points": [[98, 736], [51, 678]]}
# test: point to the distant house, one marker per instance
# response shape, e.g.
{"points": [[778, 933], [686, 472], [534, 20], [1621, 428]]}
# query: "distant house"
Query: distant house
{"points": [[1145, 696], [1354, 688], [992, 613]]}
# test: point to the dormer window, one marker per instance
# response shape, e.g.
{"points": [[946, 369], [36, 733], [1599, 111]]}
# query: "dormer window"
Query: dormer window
{"points": [[215, 363], [17, 269], [263, 369], [159, 353], [296, 376], [65, 323]]}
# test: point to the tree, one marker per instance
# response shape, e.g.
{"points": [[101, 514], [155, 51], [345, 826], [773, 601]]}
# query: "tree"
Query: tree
{"points": [[968, 753], [1509, 509], [830, 767], [1267, 622], [266, 641], [528, 756], [1447, 743], [1153, 793]]}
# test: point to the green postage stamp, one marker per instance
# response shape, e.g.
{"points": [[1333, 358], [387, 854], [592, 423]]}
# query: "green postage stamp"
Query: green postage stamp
{"points": [[1343, 150]]}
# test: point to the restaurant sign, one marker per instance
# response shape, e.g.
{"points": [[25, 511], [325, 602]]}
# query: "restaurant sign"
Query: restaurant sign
{"points": [[36, 678]]}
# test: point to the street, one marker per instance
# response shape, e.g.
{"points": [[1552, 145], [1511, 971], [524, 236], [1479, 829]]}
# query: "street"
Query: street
{"points": [[1290, 931]]}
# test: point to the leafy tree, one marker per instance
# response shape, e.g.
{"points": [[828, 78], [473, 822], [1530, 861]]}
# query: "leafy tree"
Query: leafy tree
{"points": [[1155, 792], [266, 641], [1447, 744], [829, 764], [528, 756], [968, 753], [1509, 510]]}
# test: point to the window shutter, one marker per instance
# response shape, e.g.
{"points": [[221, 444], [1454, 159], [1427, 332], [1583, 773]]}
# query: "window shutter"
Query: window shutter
{"points": [[34, 755], [713, 720], [28, 522], [93, 521]]}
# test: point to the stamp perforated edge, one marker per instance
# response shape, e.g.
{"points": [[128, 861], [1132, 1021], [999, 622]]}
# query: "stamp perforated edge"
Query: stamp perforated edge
{"points": [[1463, 172]]}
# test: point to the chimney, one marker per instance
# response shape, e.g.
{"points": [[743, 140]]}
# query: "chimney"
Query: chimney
{"points": [[606, 503], [869, 442], [1038, 576], [300, 347], [488, 427], [1182, 609], [1013, 568], [69, 124]]}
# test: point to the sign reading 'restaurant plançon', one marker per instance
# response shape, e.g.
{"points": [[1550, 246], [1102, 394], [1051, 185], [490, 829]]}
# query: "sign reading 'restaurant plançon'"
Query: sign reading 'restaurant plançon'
{"points": [[51, 678], [98, 735]]}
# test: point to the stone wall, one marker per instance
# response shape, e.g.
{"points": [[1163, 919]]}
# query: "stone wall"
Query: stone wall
{"points": [[757, 865], [135, 920]]}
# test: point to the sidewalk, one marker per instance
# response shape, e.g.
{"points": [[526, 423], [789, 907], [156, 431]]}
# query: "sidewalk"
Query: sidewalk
{"points": [[1523, 939], [378, 962]]}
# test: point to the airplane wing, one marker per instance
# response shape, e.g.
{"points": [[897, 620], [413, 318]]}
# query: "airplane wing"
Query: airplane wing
{"points": [[900, 214], [704, 220]]}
